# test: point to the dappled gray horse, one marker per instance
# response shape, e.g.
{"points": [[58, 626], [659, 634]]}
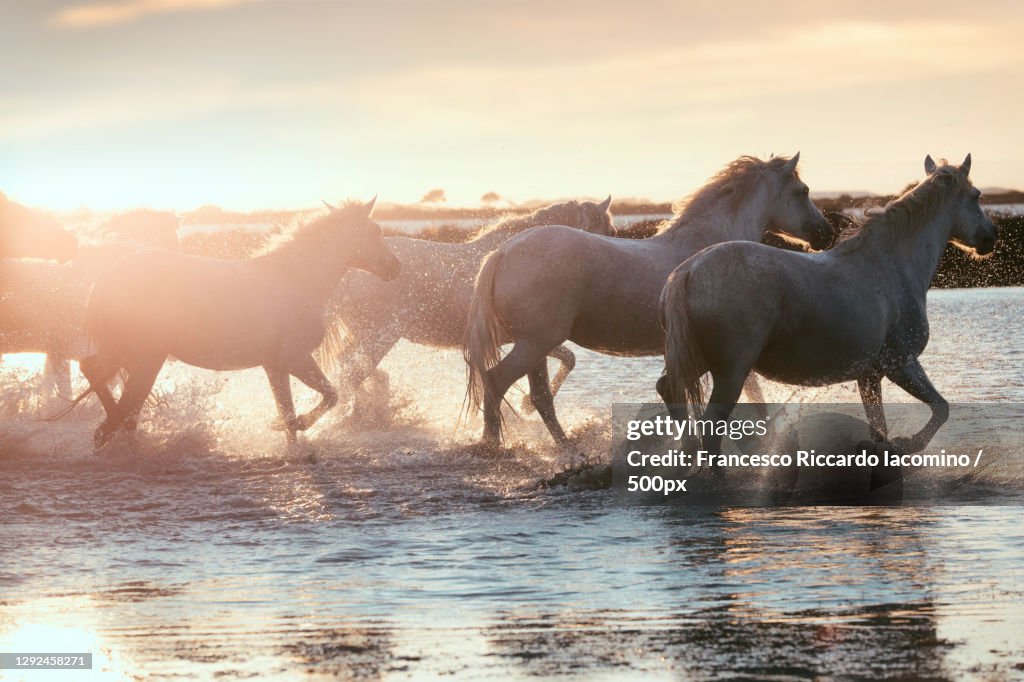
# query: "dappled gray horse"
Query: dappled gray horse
{"points": [[857, 312], [429, 301], [552, 284], [266, 311]]}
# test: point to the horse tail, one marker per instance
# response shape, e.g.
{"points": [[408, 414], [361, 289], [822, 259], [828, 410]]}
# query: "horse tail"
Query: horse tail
{"points": [[684, 363], [481, 348], [72, 404]]}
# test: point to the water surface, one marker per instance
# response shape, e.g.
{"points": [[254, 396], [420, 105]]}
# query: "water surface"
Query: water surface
{"points": [[202, 547]]}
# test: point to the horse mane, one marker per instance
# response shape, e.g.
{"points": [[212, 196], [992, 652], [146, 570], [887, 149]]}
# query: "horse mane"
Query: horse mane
{"points": [[739, 178], [566, 213], [907, 212], [299, 237]]}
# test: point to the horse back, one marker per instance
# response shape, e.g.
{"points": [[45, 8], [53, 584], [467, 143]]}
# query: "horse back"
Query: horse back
{"points": [[598, 291]]}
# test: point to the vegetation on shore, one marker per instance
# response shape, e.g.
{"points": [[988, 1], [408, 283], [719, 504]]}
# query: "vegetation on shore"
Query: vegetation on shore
{"points": [[957, 269]]}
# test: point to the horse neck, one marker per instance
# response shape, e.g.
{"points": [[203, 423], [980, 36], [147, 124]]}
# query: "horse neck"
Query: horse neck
{"points": [[918, 249], [927, 247], [720, 222]]}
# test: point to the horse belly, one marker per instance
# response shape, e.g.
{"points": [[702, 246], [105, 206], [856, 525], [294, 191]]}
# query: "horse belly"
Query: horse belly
{"points": [[236, 340], [438, 319], [812, 361], [630, 335], [622, 321]]}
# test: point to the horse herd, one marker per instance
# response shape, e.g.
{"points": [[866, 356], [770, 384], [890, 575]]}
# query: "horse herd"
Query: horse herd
{"points": [[704, 292]]}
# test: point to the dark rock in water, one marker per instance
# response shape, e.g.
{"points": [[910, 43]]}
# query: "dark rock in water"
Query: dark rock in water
{"points": [[583, 477], [833, 434]]}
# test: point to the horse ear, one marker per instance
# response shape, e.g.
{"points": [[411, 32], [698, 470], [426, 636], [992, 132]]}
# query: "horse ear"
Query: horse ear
{"points": [[965, 167], [790, 166], [369, 206], [929, 164], [605, 204]]}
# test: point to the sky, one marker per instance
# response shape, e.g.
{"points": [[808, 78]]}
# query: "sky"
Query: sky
{"points": [[252, 104]]}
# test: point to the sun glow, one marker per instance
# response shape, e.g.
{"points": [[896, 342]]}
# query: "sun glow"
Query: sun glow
{"points": [[494, 102], [60, 625]]}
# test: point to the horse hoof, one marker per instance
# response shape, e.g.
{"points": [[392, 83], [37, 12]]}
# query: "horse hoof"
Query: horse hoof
{"points": [[867, 446], [102, 436], [302, 423], [280, 425]]}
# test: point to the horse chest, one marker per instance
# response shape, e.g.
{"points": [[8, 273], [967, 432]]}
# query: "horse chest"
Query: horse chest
{"points": [[908, 336]]}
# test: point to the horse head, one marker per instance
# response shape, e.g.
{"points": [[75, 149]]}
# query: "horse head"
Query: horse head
{"points": [[597, 219], [791, 212], [364, 240], [972, 229]]}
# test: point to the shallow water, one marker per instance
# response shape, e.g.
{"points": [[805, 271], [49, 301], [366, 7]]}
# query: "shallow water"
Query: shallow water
{"points": [[201, 547]]}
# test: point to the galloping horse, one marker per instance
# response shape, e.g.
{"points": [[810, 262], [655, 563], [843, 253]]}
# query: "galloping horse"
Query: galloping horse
{"points": [[428, 304], [228, 314], [855, 312], [553, 284], [26, 233]]}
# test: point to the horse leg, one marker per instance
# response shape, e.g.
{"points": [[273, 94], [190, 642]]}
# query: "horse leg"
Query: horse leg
{"points": [[870, 388], [98, 371], [678, 411], [363, 356], [57, 373], [752, 389], [514, 366], [544, 400], [141, 377], [911, 378], [307, 371], [281, 387], [567, 360], [728, 386]]}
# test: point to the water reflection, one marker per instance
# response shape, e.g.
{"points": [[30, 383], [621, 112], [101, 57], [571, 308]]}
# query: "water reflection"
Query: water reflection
{"points": [[757, 592]]}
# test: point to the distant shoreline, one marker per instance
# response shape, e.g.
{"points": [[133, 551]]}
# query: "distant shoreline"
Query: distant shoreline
{"points": [[209, 215]]}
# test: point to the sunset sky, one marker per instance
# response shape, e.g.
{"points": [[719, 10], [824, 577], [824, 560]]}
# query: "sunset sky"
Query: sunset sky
{"points": [[277, 104]]}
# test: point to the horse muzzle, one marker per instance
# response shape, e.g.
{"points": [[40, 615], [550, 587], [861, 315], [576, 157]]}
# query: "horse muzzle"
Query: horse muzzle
{"points": [[391, 270], [825, 235], [986, 246]]}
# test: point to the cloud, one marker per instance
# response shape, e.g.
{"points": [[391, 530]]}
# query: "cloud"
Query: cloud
{"points": [[31, 118], [92, 14], [701, 81]]}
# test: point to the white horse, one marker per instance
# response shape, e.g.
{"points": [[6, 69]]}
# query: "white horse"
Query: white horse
{"points": [[857, 312], [266, 311], [428, 303], [553, 284]]}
